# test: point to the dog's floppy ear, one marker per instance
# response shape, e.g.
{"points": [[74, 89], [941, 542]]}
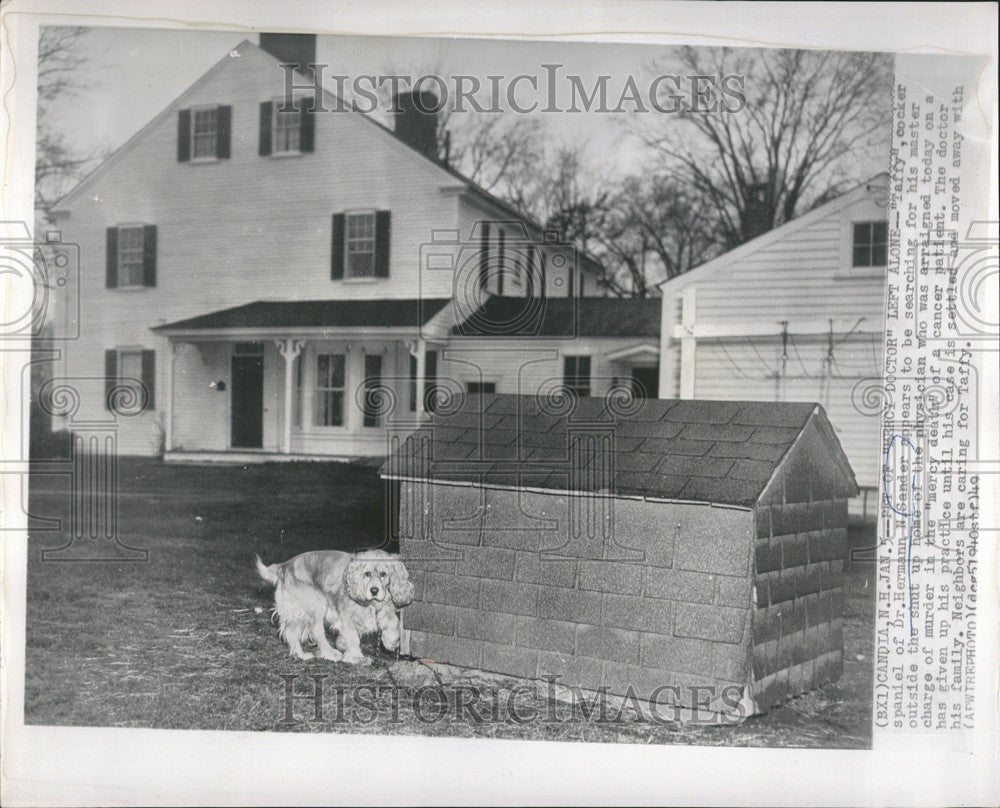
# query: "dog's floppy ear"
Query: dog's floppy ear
{"points": [[354, 582], [400, 587]]}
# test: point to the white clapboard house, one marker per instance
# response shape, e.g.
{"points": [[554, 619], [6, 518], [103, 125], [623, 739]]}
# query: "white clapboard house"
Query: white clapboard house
{"points": [[795, 314], [285, 282]]}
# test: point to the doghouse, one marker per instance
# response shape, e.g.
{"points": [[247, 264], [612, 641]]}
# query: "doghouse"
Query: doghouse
{"points": [[689, 552]]}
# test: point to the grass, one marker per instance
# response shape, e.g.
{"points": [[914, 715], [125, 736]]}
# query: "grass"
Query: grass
{"points": [[184, 640]]}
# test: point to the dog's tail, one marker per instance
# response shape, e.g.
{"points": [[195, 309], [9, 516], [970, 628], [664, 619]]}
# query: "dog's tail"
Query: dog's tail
{"points": [[268, 573]]}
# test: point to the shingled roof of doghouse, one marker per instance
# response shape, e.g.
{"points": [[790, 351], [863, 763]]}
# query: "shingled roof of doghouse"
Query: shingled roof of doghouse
{"points": [[722, 452]]}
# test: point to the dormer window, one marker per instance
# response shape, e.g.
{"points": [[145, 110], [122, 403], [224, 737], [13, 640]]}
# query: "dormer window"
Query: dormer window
{"points": [[203, 133], [870, 244], [286, 128]]}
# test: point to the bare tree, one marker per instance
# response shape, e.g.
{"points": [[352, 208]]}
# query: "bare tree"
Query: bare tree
{"points": [[808, 117], [58, 163]]}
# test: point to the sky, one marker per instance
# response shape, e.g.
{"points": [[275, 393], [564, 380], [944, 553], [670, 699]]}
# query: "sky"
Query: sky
{"points": [[133, 74]]}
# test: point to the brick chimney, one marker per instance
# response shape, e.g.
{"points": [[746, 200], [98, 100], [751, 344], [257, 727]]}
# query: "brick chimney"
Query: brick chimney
{"points": [[297, 49], [757, 218], [414, 124]]}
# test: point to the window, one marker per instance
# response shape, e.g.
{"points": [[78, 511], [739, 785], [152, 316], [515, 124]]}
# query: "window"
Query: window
{"points": [[204, 132], [576, 374], [286, 130], [298, 369], [870, 248], [329, 410], [130, 369], [473, 388], [413, 383], [130, 255], [373, 392], [361, 245]]}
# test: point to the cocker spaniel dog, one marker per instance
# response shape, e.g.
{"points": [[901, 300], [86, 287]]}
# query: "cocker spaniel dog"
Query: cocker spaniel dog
{"points": [[355, 594]]}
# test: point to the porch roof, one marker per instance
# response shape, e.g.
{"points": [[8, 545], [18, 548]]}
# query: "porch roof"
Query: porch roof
{"points": [[563, 317], [272, 315]]}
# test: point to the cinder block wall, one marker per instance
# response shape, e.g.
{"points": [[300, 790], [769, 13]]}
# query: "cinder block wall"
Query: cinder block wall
{"points": [[600, 592], [798, 637]]}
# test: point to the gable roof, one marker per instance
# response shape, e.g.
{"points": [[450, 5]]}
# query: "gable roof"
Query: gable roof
{"points": [[268, 314], [715, 452], [246, 47], [733, 256], [563, 317]]}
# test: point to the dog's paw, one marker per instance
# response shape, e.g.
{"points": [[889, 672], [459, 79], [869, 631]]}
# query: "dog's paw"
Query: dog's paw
{"points": [[305, 655], [356, 659], [332, 656]]}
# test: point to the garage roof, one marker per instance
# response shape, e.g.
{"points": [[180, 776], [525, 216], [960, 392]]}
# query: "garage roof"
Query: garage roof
{"points": [[720, 452]]}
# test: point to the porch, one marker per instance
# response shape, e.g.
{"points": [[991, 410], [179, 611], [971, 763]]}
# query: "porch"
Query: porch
{"points": [[278, 388]]}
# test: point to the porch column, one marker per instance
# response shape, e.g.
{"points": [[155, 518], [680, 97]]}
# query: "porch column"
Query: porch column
{"points": [[418, 349], [168, 400], [289, 349]]}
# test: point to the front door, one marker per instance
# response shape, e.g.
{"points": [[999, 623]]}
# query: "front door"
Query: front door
{"points": [[646, 382], [247, 397]]}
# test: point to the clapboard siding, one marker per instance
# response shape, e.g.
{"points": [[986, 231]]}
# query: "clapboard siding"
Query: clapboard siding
{"points": [[744, 370], [803, 278]]}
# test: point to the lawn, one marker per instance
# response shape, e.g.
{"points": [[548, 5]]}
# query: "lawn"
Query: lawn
{"points": [[184, 640]]}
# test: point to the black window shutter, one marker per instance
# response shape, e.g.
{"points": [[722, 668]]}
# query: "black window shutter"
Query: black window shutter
{"points": [[149, 378], [265, 128], [223, 132], [337, 248], [501, 269], [110, 376], [383, 227], [111, 276], [149, 255], [430, 380], [307, 128], [183, 135], [373, 380], [529, 275], [484, 256]]}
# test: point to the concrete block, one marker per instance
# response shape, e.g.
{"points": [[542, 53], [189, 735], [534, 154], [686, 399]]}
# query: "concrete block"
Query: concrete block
{"points": [[545, 635], [453, 650], [610, 576], [794, 617], [637, 614], [685, 655], [766, 558], [794, 550], [765, 659], [714, 540], [430, 617], [646, 528], [453, 590], [418, 644], [511, 521], [570, 605], [508, 597], [782, 586], [572, 671], [415, 501], [731, 662], [457, 513], [612, 644], [763, 591], [479, 625], [717, 623], [767, 624], [509, 660], [734, 590], [487, 562], [539, 568], [679, 585], [763, 521]]}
